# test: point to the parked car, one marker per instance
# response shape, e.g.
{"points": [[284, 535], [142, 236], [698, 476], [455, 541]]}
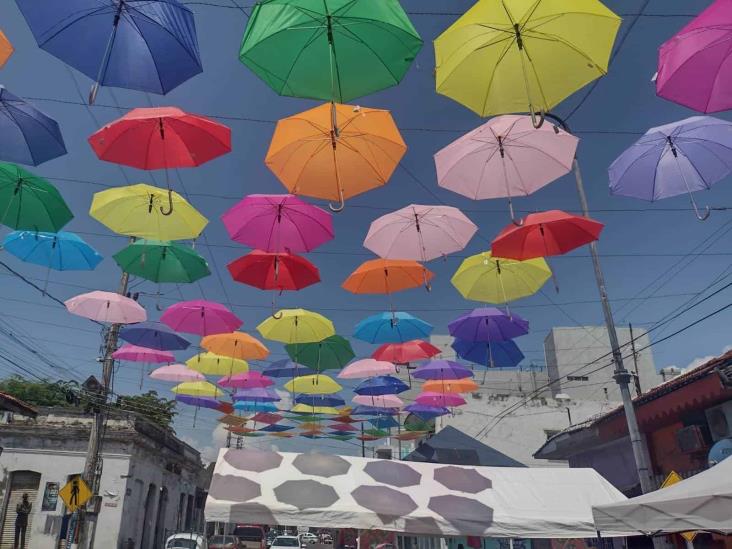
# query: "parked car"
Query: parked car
{"points": [[186, 540], [308, 538], [223, 542], [250, 536], [285, 542]]}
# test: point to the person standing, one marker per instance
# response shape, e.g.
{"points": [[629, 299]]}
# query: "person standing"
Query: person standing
{"points": [[22, 510]]}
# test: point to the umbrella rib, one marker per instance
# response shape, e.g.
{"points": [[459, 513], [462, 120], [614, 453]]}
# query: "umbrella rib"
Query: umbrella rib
{"points": [[133, 24], [501, 57], [354, 36], [76, 20], [9, 114], [553, 37]]}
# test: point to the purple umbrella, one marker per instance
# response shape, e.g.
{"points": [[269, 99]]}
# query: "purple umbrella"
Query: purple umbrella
{"points": [[257, 394], [442, 369], [199, 402], [682, 157], [488, 324], [153, 335]]}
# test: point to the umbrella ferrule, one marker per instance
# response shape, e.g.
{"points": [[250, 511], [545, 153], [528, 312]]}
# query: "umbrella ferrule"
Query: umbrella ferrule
{"points": [[333, 141], [500, 147], [162, 128], [118, 15], [673, 147], [329, 23], [498, 266], [519, 40], [150, 203]]}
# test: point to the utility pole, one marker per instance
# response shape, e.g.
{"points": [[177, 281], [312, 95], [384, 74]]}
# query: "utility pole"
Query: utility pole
{"points": [[638, 390]]}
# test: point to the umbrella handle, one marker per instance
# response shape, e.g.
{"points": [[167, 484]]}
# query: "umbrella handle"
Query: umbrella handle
{"points": [[274, 313], [341, 205], [700, 216], [518, 223], [170, 204], [537, 124]]}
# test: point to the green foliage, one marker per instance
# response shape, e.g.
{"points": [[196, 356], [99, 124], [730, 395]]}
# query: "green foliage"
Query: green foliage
{"points": [[38, 393], [158, 409]]}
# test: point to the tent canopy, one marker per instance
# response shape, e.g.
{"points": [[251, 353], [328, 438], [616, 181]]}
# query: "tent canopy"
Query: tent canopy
{"points": [[418, 498], [702, 502]]}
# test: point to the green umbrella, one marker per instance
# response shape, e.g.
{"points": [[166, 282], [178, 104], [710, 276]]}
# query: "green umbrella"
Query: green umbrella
{"points": [[376, 433], [304, 418], [29, 202], [335, 50], [332, 353], [340, 437], [162, 261]]}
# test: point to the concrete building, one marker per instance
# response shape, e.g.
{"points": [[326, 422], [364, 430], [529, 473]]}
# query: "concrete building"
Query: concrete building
{"points": [[151, 483]]}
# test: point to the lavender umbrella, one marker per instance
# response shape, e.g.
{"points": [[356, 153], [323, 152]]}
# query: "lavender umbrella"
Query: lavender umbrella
{"points": [[256, 394], [442, 369], [677, 158], [488, 324], [153, 335]]}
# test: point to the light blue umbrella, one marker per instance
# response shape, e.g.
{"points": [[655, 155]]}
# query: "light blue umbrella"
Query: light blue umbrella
{"points": [[392, 328], [60, 251], [249, 406]]}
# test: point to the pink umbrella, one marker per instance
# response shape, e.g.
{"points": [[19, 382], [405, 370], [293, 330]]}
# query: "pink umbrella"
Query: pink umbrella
{"points": [[134, 353], [176, 373], [278, 223], [694, 66], [246, 380], [200, 317], [381, 401], [106, 307], [505, 157], [444, 400], [342, 427], [368, 367], [420, 233]]}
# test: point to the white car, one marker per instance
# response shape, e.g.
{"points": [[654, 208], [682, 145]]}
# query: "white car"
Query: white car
{"points": [[186, 540], [285, 542], [308, 538]]}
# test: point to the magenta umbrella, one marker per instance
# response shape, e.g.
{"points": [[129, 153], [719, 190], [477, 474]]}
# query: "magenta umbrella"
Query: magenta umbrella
{"points": [[379, 401], [106, 307], [420, 233], [505, 157], [278, 223], [135, 353], [695, 65], [367, 367], [176, 373], [200, 317], [245, 380], [444, 400]]}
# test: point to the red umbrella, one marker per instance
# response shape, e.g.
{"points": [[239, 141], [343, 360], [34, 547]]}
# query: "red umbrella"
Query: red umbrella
{"points": [[403, 353], [274, 271]]}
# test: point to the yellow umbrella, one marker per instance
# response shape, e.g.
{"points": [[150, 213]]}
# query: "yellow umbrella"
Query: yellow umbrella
{"points": [[490, 279], [140, 211], [236, 345], [305, 409], [296, 326], [215, 365], [6, 49], [317, 384], [198, 389], [523, 56]]}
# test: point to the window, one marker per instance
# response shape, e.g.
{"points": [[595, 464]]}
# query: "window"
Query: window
{"points": [[578, 378], [550, 433]]}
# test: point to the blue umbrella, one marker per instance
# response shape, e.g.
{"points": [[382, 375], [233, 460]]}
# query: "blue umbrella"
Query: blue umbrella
{"points": [[286, 368], [319, 400], [488, 324], [363, 410], [153, 335], [27, 136], [381, 385], [250, 406], [274, 428], [426, 412], [384, 422], [59, 251], [145, 45], [499, 354], [392, 328]]}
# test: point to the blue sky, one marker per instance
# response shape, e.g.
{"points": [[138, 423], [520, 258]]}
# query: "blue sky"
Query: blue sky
{"points": [[655, 256]]}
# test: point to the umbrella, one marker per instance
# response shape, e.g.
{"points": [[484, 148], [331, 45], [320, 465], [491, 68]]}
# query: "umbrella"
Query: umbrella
{"points": [[332, 353], [256, 394], [318, 384], [29, 202], [366, 410], [252, 406], [27, 136], [505, 57], [60, 251], [335, 152], [441, 370], [198, 389], [276, 429], [367, 367], [200, 317], [450, 386], [145, 45], [404, 353], [154, 335], [391, 328], [325, 49], [693, 65], [106, 307], [278, 223], [386, 276], [678, 158], [425, 411], [319, 400], [203, 402], [135, 353], [505, 157], [545, 234], [488, 324], [236, 345], [419, 232], [286, 368], [379, 401], [162, 261], [296, 326], [482, 277], [6, 49], [214, 365], [342, 427], [381, 385], [496, 354], [176, 373], [245, 380], [140, 211], [440, 400]]}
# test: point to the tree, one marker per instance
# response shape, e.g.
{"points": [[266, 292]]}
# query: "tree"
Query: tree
{"points": [[157, 409], [39, 393]]}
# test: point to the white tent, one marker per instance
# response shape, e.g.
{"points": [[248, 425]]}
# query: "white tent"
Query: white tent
{"points": [[418, 498], [702, 502]]}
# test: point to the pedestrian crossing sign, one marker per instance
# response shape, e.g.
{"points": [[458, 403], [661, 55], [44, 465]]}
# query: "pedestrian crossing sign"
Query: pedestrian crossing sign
{"points": [[75, 493]]}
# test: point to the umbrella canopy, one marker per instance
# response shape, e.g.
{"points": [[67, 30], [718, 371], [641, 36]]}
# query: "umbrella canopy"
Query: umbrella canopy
{"points": [[162, 261], [318, 401], [420, 233], [6, 49], [154, 335], [252, 406], [391, 328], [386, 276], [406, 352], [29, 202], [60, 251], [135, 353], [332, 353], [245, 380], [328, 49], [500, 58], [296, 326], [106, 307], [496, 354], [287, 369], [441, 370], [176, 373], [368, 410], [278, 223], [440, 400], [693, 65], [215, 365], [488, 324], [145, 45], [256, 394], [381, 385], [482, 277], [236, 345], [204, 402], [27, 136], [138, 210], [335, 151], [274, 271], [425, 411], [343, 427], [378, 401], [200, 317], [198, 389], [367, 367], [313, 385], [545, 234], [682, 157], [450, 386]]}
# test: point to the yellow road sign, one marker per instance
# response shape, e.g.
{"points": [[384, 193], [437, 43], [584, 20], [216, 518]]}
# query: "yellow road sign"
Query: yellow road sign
{"points": [[75, 493], [674, 478]]}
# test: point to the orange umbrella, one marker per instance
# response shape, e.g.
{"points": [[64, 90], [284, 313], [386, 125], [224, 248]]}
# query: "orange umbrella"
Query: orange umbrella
{"points": [[335, 151], [6, 49], [232, 420], [386, 276], [450, 386], [235, 345]]}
